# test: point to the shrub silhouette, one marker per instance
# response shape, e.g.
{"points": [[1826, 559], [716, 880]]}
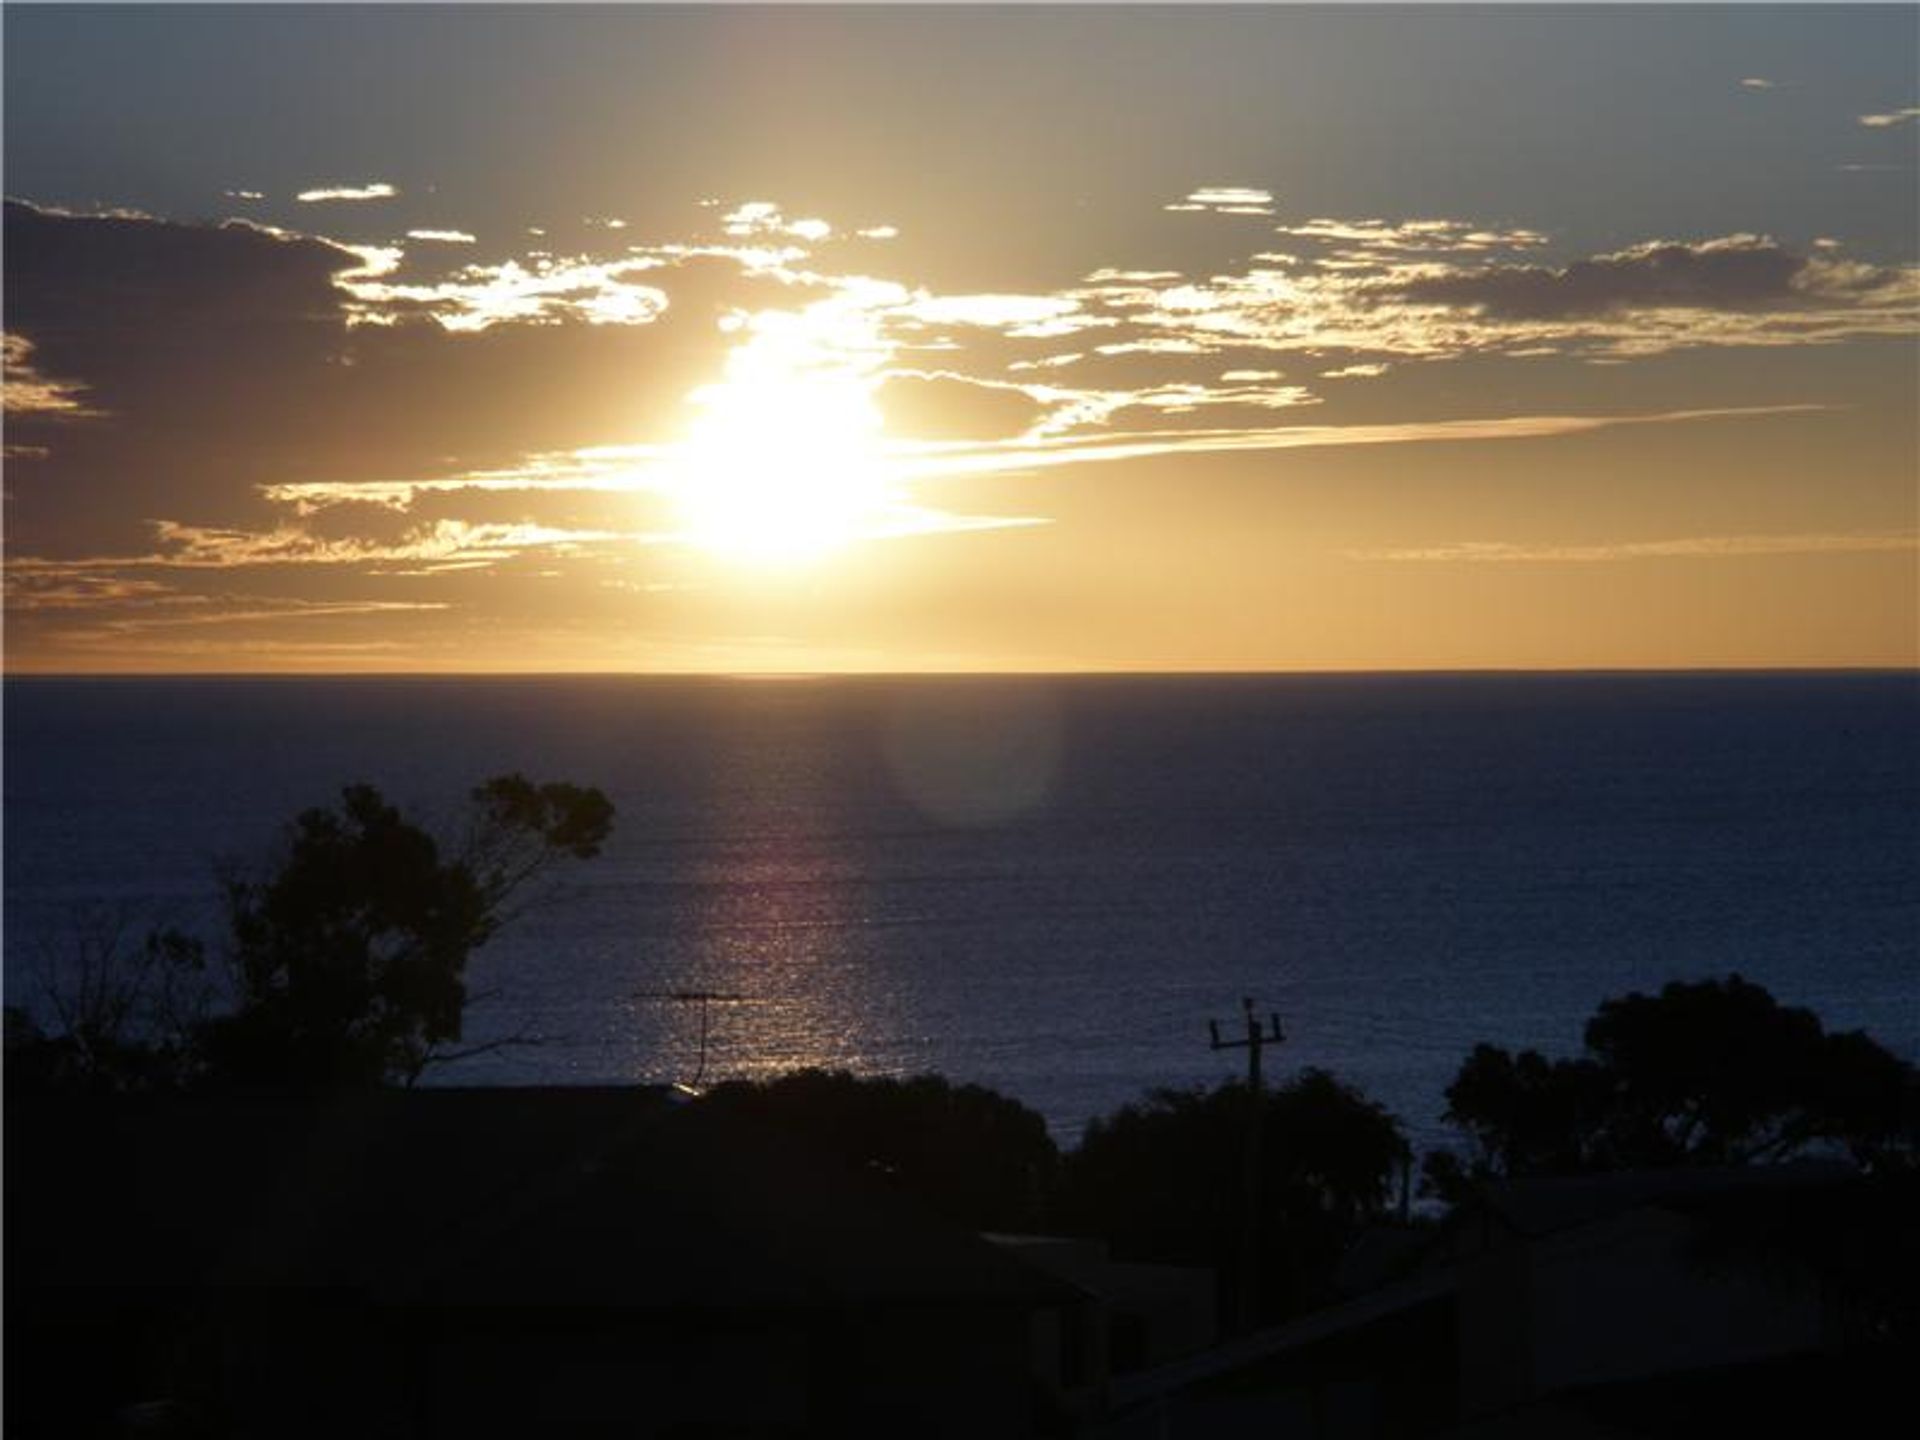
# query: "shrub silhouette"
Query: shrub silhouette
{"points": [[963, 1150], [1163, 1180]]}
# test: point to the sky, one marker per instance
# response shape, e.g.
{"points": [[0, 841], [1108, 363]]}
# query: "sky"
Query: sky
{"points": [[775, 340]]}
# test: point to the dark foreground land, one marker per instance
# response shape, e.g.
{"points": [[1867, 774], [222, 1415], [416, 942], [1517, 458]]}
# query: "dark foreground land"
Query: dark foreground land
{"points": [[601, 1261]]}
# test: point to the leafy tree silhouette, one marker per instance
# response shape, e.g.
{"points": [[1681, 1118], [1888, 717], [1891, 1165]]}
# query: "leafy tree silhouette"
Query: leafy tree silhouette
{"points": [[1711, 1072], [351, 956], [347, 957]]}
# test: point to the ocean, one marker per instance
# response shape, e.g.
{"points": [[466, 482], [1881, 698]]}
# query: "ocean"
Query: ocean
{"points": [[1046, 885]]}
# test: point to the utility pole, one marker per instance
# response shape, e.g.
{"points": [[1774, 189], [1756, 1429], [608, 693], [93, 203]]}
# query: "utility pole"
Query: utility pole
{"points": [[1257, 1038]]}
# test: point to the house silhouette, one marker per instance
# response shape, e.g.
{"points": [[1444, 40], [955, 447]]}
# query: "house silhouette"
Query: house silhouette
{"points": [[500, 1262]]}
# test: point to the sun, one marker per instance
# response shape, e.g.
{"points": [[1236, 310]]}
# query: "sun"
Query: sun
{"points": [[784, 462]]}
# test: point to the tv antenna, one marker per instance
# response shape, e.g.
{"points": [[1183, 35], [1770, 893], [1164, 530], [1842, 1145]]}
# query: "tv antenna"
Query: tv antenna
{"points": [[704, 999]]}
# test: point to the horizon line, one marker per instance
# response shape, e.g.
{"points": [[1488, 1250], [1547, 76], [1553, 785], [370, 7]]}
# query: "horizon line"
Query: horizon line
{"points": [[1912, 668]]}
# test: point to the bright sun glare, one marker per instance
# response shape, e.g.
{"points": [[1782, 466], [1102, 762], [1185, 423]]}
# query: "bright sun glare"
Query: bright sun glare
{"points": [[784, 462]]}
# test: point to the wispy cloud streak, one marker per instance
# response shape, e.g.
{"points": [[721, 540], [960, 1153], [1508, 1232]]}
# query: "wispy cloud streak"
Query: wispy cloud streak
{"points": [[1700, 547], [1027, 454], [28, 392], [377, 190]]}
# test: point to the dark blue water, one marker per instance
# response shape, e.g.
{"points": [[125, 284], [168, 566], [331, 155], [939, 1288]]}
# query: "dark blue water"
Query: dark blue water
{"points": [[1051, 885]]}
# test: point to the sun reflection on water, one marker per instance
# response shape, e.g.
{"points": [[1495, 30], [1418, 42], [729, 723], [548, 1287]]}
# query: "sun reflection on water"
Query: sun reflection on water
{"points": [[776, 918]]}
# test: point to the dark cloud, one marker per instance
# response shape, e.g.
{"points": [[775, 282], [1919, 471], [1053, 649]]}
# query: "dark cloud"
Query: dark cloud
{"points": [[141, 307], [200, 346], [216, 359], [1740, 272]]}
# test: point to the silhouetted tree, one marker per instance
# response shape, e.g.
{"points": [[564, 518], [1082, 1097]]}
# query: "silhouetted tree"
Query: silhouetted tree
{"points": [[347, 957], [1162, 1180], [350, 956], [1713, 1072], [121, 1005], [963, 1150]]}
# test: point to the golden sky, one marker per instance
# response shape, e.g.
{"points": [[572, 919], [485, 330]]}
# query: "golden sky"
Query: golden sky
{"points": [[743, 340]]}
